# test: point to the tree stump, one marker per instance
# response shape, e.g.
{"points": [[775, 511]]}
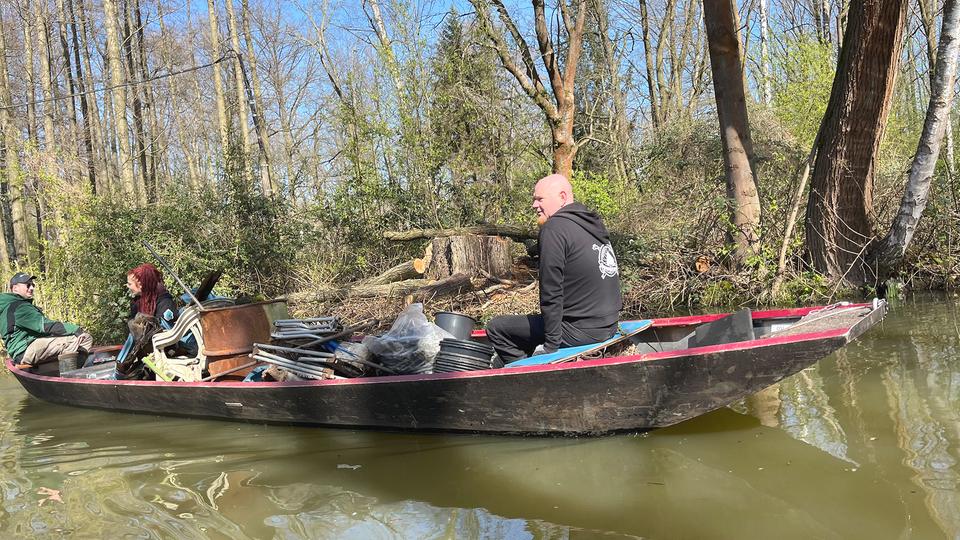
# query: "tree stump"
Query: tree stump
{"points": [[468, 254]]}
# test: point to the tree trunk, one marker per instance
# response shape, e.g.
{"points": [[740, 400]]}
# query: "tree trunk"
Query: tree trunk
{"points": [[259, 120], [411, 269], [139, 127], [18, 189], [649, 66], [679, 60], [31, 81], [838, 227], [765, 54], [151, 130], [664, 41], [97, 138], [470, 255], [193, 176], [222, 120], [119, 97], [46, 83], [928, 18], [517, 233], [558, 108], [67, 70], [87, 136], [893, 246], [720, 17], [244, 116], [620, 123], [818, 22], [421, 289], [12, 176]]}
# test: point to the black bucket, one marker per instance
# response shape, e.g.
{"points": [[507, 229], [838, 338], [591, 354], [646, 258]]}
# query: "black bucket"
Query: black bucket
{"points": [[464, 355], [458, 324]]}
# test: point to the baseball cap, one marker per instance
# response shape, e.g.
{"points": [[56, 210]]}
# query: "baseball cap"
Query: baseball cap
{"points": [[21, 277]]}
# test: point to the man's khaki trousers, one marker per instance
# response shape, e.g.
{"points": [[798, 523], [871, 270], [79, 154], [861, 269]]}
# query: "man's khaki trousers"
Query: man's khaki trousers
{"points": [[47, 349]]}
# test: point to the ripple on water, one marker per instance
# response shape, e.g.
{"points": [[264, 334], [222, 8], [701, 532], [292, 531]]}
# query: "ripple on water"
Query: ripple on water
{"points": [[888, 403]]}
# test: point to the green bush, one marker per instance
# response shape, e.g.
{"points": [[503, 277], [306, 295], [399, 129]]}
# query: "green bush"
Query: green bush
{"points": [[254, 241], [599, 193]]}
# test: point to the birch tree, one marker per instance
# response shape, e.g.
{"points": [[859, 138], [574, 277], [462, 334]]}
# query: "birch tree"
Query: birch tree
{"points": [[891, 249], [765, 85], [928, 16]]}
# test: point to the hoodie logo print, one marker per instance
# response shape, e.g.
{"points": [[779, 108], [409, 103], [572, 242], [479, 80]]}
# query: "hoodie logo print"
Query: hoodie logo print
{"points": [[607, 260]]}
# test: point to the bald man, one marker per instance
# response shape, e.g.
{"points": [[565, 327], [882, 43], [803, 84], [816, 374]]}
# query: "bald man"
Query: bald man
{"points": [[579, 280]]}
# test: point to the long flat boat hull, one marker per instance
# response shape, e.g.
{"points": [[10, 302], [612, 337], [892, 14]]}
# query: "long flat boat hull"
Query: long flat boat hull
{"points": [[627, 393]]}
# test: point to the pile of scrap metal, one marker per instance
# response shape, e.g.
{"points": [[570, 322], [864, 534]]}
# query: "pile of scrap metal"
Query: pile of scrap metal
{"points": [[315, 348], [222, 334]]}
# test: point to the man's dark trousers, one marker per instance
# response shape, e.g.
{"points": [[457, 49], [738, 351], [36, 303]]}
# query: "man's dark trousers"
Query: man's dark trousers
{"points": [[516, 336]]}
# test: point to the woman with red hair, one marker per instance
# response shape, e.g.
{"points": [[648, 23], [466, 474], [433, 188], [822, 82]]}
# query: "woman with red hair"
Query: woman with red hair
{"points": [[149, 294]]}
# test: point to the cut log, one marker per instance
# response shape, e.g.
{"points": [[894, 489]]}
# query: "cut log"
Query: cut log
{"points": [[471, 255], [418, 288], [402, 271], [508, 231], [452, 285]]}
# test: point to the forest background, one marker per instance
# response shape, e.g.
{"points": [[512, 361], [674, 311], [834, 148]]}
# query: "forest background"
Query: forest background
{"points": [[281, 140]]}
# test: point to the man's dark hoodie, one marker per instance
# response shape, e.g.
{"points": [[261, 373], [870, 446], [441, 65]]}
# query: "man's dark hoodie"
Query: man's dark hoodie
{"points": [[579, 278]]}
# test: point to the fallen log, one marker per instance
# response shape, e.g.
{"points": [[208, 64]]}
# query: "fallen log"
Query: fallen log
{"points": [[452, 285], [509, 231], [405, 270], [418, 288]]}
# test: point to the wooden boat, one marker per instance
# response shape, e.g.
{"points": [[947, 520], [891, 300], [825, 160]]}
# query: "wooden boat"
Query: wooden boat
{"points": [[676, 369]]}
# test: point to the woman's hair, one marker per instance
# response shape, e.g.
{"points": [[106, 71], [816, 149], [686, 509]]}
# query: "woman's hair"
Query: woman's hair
{"points": [[151, 286]]}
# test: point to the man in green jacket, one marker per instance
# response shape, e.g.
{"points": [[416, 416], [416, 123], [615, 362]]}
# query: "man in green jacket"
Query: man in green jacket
{"points": [[31, 338]]}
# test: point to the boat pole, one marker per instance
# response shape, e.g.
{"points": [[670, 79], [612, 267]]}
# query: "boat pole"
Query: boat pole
{"points": [[170, 271]]}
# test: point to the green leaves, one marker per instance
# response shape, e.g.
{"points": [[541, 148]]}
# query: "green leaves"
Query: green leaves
{"points": [[802, 77], [598, 192]]}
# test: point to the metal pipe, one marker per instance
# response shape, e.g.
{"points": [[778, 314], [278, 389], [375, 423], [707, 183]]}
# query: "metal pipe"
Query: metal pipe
{"points": [[290, 365], [229, 371], [371, 364], [293, 350], [345, 332], [170, 271], [296, 335], [313, 319]]}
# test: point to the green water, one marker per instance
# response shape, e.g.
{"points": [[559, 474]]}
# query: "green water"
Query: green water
{"points": [[863, 445]]}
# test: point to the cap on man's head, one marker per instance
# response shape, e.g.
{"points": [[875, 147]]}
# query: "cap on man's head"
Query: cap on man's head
{"points": [[21, 277]]}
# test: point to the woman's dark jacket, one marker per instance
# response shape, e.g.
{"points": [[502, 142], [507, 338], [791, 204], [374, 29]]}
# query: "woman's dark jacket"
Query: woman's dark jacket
{"points": [[164, 302]]}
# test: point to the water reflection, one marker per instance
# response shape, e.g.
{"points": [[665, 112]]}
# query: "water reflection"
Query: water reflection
{"points": [[863, 445]]}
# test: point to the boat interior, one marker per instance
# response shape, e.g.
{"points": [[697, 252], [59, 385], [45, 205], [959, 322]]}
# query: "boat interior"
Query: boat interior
{"points": [[227, 353], [744, 325]]}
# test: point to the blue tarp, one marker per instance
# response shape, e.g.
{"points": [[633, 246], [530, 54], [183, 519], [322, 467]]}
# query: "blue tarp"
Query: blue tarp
{"points": [[626, 328]]}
